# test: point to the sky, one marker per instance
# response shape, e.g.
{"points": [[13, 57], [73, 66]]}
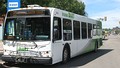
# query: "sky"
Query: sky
{"points": [[104, 8]]}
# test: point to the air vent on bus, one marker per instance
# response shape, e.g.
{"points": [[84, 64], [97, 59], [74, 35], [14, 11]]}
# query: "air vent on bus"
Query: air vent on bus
{"points": [[31, 6]]}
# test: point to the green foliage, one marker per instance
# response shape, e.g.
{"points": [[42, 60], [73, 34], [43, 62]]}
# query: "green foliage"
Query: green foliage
{"points": [[3, 8], [42, 3], [69, 5]]}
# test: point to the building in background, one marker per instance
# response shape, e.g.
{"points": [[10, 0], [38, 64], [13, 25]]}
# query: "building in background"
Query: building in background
{"points": [[116, 31]]}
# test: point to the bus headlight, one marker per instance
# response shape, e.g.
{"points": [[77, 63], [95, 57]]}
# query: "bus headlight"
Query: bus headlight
{"points": [[7, 52], [45, 54], [6, 43]]}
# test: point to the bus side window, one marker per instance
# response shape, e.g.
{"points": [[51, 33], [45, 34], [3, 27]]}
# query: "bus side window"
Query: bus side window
{"points": [[89, 30], [67, 30], [57, 28], [76, 29], [84, 30], [94, 30]]}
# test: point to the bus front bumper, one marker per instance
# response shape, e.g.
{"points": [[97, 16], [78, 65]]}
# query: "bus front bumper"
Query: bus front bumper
{"points": [[21, 59]]}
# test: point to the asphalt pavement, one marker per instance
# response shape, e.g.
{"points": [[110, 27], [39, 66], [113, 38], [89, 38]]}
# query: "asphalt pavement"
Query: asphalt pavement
{"points": [[110, 59]]}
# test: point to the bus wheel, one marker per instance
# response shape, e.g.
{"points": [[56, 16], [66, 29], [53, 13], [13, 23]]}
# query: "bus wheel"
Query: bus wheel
{"points": [[66, 55], [96, 46]]}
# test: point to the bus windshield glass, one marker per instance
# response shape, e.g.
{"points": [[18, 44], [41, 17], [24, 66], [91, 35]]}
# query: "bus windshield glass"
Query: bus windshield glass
{"points": [[32, 28]]}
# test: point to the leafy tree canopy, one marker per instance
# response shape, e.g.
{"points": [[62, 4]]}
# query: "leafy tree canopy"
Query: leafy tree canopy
{"points": [[69, 5], [2, 7]]}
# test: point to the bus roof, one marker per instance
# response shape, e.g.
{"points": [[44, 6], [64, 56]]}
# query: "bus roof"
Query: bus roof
{"points": [[62, 13]]}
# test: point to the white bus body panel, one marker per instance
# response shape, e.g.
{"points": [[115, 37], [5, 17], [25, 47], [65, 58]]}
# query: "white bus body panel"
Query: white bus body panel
{"points": [[76, 46]]}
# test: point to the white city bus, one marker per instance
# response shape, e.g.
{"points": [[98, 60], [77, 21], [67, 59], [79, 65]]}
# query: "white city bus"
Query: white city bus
{"points": [[46, 35]]}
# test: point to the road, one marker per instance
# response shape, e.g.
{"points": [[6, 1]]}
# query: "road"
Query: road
{"points": [[108, 56]]}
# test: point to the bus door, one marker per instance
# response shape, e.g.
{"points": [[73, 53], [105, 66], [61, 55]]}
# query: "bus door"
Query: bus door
{"points": [[67, 35], [57, 40]]}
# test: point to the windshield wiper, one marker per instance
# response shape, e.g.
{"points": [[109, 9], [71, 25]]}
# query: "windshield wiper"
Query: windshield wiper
{"points": [[35, 44]]}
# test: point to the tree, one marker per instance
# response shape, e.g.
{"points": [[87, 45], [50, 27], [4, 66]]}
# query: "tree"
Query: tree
{"points": [[3, 8], [42, 3], [69, 5]]}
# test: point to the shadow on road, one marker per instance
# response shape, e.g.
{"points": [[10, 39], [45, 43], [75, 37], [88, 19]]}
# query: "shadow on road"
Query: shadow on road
{"points": [[104, 39], [74, 62]]}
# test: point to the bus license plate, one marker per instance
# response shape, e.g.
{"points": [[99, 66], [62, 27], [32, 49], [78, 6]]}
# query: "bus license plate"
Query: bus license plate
{"points": [[25, 53]]}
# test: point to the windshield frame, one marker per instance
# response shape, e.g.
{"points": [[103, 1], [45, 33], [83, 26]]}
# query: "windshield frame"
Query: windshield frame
{"points": [[28, 12], [34, 16]]}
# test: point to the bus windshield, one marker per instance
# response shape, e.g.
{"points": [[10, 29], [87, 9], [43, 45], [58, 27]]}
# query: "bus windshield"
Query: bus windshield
{"points": [[32, 28]]}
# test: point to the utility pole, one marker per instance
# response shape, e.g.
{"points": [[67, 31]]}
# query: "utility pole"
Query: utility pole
{"points": [[103, 19]]}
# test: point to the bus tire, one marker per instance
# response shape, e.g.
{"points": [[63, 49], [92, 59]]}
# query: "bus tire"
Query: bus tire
{"points": [[66, 55], [96, 47]]}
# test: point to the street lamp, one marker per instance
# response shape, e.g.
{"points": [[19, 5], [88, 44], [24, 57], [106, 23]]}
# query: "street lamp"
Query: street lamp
{"points": [[103, 19]]}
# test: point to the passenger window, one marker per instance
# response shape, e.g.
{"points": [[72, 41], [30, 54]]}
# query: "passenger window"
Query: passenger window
{"points": [[57, 28], [67, 30], [84, 30], [76, 28], [89, 30]]}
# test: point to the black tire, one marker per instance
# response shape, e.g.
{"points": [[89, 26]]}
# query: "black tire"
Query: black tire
{"points": [[66, 55]]}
